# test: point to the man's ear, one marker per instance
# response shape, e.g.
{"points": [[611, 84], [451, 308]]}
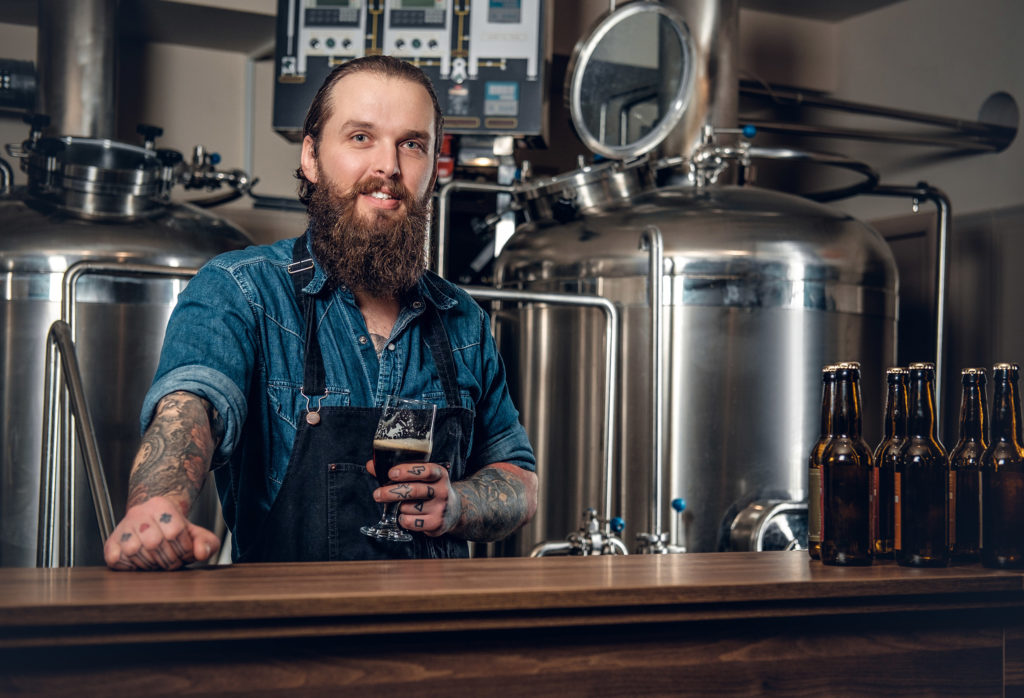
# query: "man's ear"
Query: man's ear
{"points": [[308, 160]]}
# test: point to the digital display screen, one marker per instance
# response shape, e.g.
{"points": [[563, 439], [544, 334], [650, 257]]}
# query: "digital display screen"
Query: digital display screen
{"points": [[505, 11], [416, 4], [333, 3]]}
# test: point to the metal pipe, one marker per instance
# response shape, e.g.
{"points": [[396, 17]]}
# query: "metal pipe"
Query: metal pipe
{"points": [[553, 547], [968, 143], [75, 59], [6, 177], [945, 224], [442, 212], [651, 241], [57, 475], [993, 134], [59, 336], [611, 362]]}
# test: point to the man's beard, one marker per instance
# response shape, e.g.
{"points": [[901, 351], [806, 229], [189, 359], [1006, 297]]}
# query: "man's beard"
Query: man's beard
{"points": [[383, 255]]}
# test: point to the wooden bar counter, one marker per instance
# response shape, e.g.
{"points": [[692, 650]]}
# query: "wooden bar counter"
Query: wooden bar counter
{"points": [[699, 624]]}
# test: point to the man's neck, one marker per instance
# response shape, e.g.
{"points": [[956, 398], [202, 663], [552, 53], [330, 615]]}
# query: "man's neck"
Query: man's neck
{"points": [[380, 315]]}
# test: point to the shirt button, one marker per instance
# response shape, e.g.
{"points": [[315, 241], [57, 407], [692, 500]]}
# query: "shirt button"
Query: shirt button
{"points": [[363, 339], [391, 347], [417, 304]]}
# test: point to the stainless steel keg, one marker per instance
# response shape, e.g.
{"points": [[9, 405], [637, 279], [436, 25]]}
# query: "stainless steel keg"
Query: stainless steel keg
{"points": [[88, 200], [759, 290]]}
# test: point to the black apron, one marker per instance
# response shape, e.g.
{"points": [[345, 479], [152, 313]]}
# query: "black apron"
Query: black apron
{"points": [[327, 493]]}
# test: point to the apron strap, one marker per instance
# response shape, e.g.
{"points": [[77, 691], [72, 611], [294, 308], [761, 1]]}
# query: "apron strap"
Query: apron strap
{"points": [[314, 381], [313, 374]]}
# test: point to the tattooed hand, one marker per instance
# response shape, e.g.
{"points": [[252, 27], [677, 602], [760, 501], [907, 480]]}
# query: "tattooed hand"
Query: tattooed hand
{"points": [[429, 505], [488, 506], [155, 535], [166, 478]]}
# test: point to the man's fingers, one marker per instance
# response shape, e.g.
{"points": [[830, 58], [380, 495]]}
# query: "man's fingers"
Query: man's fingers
{"points": [[204, 543], [422, 472]]}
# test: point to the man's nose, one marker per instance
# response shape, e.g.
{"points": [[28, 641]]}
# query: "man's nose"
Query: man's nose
{"points": [[386, 163]]}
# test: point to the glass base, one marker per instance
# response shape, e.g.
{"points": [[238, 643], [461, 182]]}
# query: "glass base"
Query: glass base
{"points": [[382, 531]]}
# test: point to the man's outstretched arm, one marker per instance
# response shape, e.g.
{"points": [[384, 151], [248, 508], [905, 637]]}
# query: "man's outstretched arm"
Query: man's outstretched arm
{"points": [[167, 476]]}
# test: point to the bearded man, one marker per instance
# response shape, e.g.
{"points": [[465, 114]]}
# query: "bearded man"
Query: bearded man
{"points": [[278, 358]]}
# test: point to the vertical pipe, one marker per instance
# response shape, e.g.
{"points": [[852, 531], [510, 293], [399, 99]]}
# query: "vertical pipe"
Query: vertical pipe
{"points": [[714, 30], [651, 241], [75, 58]]}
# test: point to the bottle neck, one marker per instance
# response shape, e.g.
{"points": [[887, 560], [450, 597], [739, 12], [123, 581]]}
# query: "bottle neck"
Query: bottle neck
{"points": [[894, 424], [828, 395], [1005, 410], [921, 415], [972, 413], [846, 419]]}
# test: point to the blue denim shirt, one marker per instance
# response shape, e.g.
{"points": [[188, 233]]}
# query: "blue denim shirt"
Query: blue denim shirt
{"points": [[235, 337]]}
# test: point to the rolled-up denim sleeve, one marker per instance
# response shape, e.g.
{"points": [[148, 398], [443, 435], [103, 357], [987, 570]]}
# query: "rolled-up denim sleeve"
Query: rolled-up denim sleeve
{"points": [[209, 350], [498, 435]]}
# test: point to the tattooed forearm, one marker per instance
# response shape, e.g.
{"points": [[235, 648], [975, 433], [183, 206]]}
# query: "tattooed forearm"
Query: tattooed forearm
{"points": [[176, 450], [494, 503]]}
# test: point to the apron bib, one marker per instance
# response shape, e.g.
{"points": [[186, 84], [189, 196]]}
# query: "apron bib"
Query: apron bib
{"points": [[326, 495]]}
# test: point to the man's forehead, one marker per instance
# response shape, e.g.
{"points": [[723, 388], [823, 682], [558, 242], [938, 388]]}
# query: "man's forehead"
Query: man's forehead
{"points": [[357, 83]]}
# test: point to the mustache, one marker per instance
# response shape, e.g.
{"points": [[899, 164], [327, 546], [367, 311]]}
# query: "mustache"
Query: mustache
{"points": [[395, 188]]}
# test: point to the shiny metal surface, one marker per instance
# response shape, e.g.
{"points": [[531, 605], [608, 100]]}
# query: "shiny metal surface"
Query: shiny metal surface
{"points": [[55, 480], [714, 33], [761, 289], [630, 80], [119, 326], [75, 59]]}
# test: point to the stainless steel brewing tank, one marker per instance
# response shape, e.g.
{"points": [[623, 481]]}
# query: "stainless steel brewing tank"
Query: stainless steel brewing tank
{"points": [[120, 322], [760, 290]]}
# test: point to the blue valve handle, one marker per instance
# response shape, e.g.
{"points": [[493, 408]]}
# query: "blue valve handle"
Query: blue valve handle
{"points": [[617, 524], [749, 131], [679, 505]]}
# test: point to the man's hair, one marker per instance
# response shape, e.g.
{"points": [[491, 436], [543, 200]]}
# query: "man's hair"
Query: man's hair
{"points": [[320, 109]]}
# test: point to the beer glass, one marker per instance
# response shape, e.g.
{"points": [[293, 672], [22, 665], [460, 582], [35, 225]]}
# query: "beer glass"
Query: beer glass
{"points": [[404, 435]]}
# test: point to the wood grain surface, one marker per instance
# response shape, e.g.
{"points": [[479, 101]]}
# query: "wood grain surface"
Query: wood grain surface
{"points": [[699, 624]]}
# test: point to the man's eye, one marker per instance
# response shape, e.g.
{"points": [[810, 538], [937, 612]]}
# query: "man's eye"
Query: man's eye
{"points": [[359, 137], [413, 145]]}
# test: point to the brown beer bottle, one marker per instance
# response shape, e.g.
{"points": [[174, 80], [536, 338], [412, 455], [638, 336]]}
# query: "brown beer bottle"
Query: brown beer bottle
{"points": [[814, 462], [921, 496], [964, 474], [894, 432], [1002, 476], [846, 477]]}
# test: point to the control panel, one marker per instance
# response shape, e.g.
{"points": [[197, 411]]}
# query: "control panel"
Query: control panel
{"points": [[486, 58]]}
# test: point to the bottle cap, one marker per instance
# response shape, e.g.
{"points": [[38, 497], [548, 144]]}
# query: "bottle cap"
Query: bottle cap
{"points": [[1005, 367], [848, 366], [895, 371], [973, 372], [922, 366]]}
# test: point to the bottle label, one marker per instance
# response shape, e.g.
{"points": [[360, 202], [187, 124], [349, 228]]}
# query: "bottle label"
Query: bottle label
{"points": [[952, 509], [897, 511], [815, 499]]}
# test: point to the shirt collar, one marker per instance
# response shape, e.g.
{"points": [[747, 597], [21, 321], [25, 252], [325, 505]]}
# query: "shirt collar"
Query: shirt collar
{"points": [[430, 286]]}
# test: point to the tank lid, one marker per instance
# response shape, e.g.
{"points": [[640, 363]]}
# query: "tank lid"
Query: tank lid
{"points": [[630, 80]]}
